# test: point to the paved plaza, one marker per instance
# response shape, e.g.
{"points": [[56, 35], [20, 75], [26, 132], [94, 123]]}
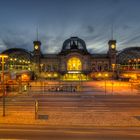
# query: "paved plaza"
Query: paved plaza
{"points": [[86, 108], [72, 114], [82, 110]]}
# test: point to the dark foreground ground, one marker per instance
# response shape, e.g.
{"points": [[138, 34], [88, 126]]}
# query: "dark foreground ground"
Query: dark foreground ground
{"points": [[69, 133], [73, 117]]}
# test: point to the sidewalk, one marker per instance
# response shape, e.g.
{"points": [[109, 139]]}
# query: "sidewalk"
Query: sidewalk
{"points": [[72, 117], [58, 118]]}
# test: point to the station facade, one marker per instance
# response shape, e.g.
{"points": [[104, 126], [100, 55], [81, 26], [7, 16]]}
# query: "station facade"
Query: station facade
{"points": [[73, 63]]}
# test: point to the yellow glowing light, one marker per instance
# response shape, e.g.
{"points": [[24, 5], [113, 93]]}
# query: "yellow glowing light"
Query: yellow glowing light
{"points": [[55, 75], [113, 46], [113, 65], [25, 77], [131, 75], [106, 75], [126, 75], [36, 47], [74, 72], [99, 74], [74, 77], [74, 63], [3, 56]]}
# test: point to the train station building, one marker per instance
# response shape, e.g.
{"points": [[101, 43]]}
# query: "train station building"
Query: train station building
{"points": [[73, 63]]}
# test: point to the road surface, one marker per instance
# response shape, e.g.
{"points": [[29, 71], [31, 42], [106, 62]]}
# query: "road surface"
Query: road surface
{"points": [[74, 104], [53, 133]]}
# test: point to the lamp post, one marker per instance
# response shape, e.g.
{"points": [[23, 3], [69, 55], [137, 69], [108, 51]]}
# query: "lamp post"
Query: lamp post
{"points": [[113, 68], [129, 64], [139, 63], [80, 82], [106, 75], [3, 57]]}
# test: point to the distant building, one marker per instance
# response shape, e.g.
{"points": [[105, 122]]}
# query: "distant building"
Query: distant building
{"points": [[73, 62]]}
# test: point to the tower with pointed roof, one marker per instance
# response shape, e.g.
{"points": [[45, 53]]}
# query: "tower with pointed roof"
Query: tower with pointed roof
{"points": [[37, 53]]}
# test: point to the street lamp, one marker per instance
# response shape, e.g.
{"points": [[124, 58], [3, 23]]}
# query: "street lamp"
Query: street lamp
{"points": [[41, 67], [135, 62], [106, 76], [113, 69], [129, 64], [3, 57]]}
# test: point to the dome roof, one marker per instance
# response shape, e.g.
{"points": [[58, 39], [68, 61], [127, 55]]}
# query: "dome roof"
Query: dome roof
{"points": [[18, 53], [128, 53], [74, 43]]}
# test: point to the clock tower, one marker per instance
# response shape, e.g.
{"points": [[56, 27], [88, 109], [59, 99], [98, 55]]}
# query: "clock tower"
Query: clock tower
{"points": [[37, 47], [112, 54], [37, 54]]}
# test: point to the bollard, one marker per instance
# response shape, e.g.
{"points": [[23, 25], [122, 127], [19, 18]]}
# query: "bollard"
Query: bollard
{"points": [[36, 109], [105, 86], [112, 87]]}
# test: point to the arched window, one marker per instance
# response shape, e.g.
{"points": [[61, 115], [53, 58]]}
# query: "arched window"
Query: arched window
{"points": [[74, 64]]}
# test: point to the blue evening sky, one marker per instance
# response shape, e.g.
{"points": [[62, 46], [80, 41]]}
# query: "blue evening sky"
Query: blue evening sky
{"points": [[58, 20]]}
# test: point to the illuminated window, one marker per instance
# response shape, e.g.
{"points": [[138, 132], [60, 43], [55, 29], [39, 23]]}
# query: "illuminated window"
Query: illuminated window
{"points": [[74, 63], [75, 77]]}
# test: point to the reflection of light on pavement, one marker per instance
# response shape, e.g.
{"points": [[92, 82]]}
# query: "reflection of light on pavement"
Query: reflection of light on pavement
{"points": [[95, 87], [119, 87]]}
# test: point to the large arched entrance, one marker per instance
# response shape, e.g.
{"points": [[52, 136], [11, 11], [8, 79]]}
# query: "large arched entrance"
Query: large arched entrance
{"points": [[74, 64], [74, 70]]}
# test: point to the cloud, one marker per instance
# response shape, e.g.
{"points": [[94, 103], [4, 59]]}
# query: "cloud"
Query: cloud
{"points": [[16, 43], [91, 21], [133, 40], [126, 27], [12, 39], [90, 29], [3, 46]]}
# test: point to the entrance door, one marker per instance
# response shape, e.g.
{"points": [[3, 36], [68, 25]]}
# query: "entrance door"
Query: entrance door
{"points": [[74, 64]]}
